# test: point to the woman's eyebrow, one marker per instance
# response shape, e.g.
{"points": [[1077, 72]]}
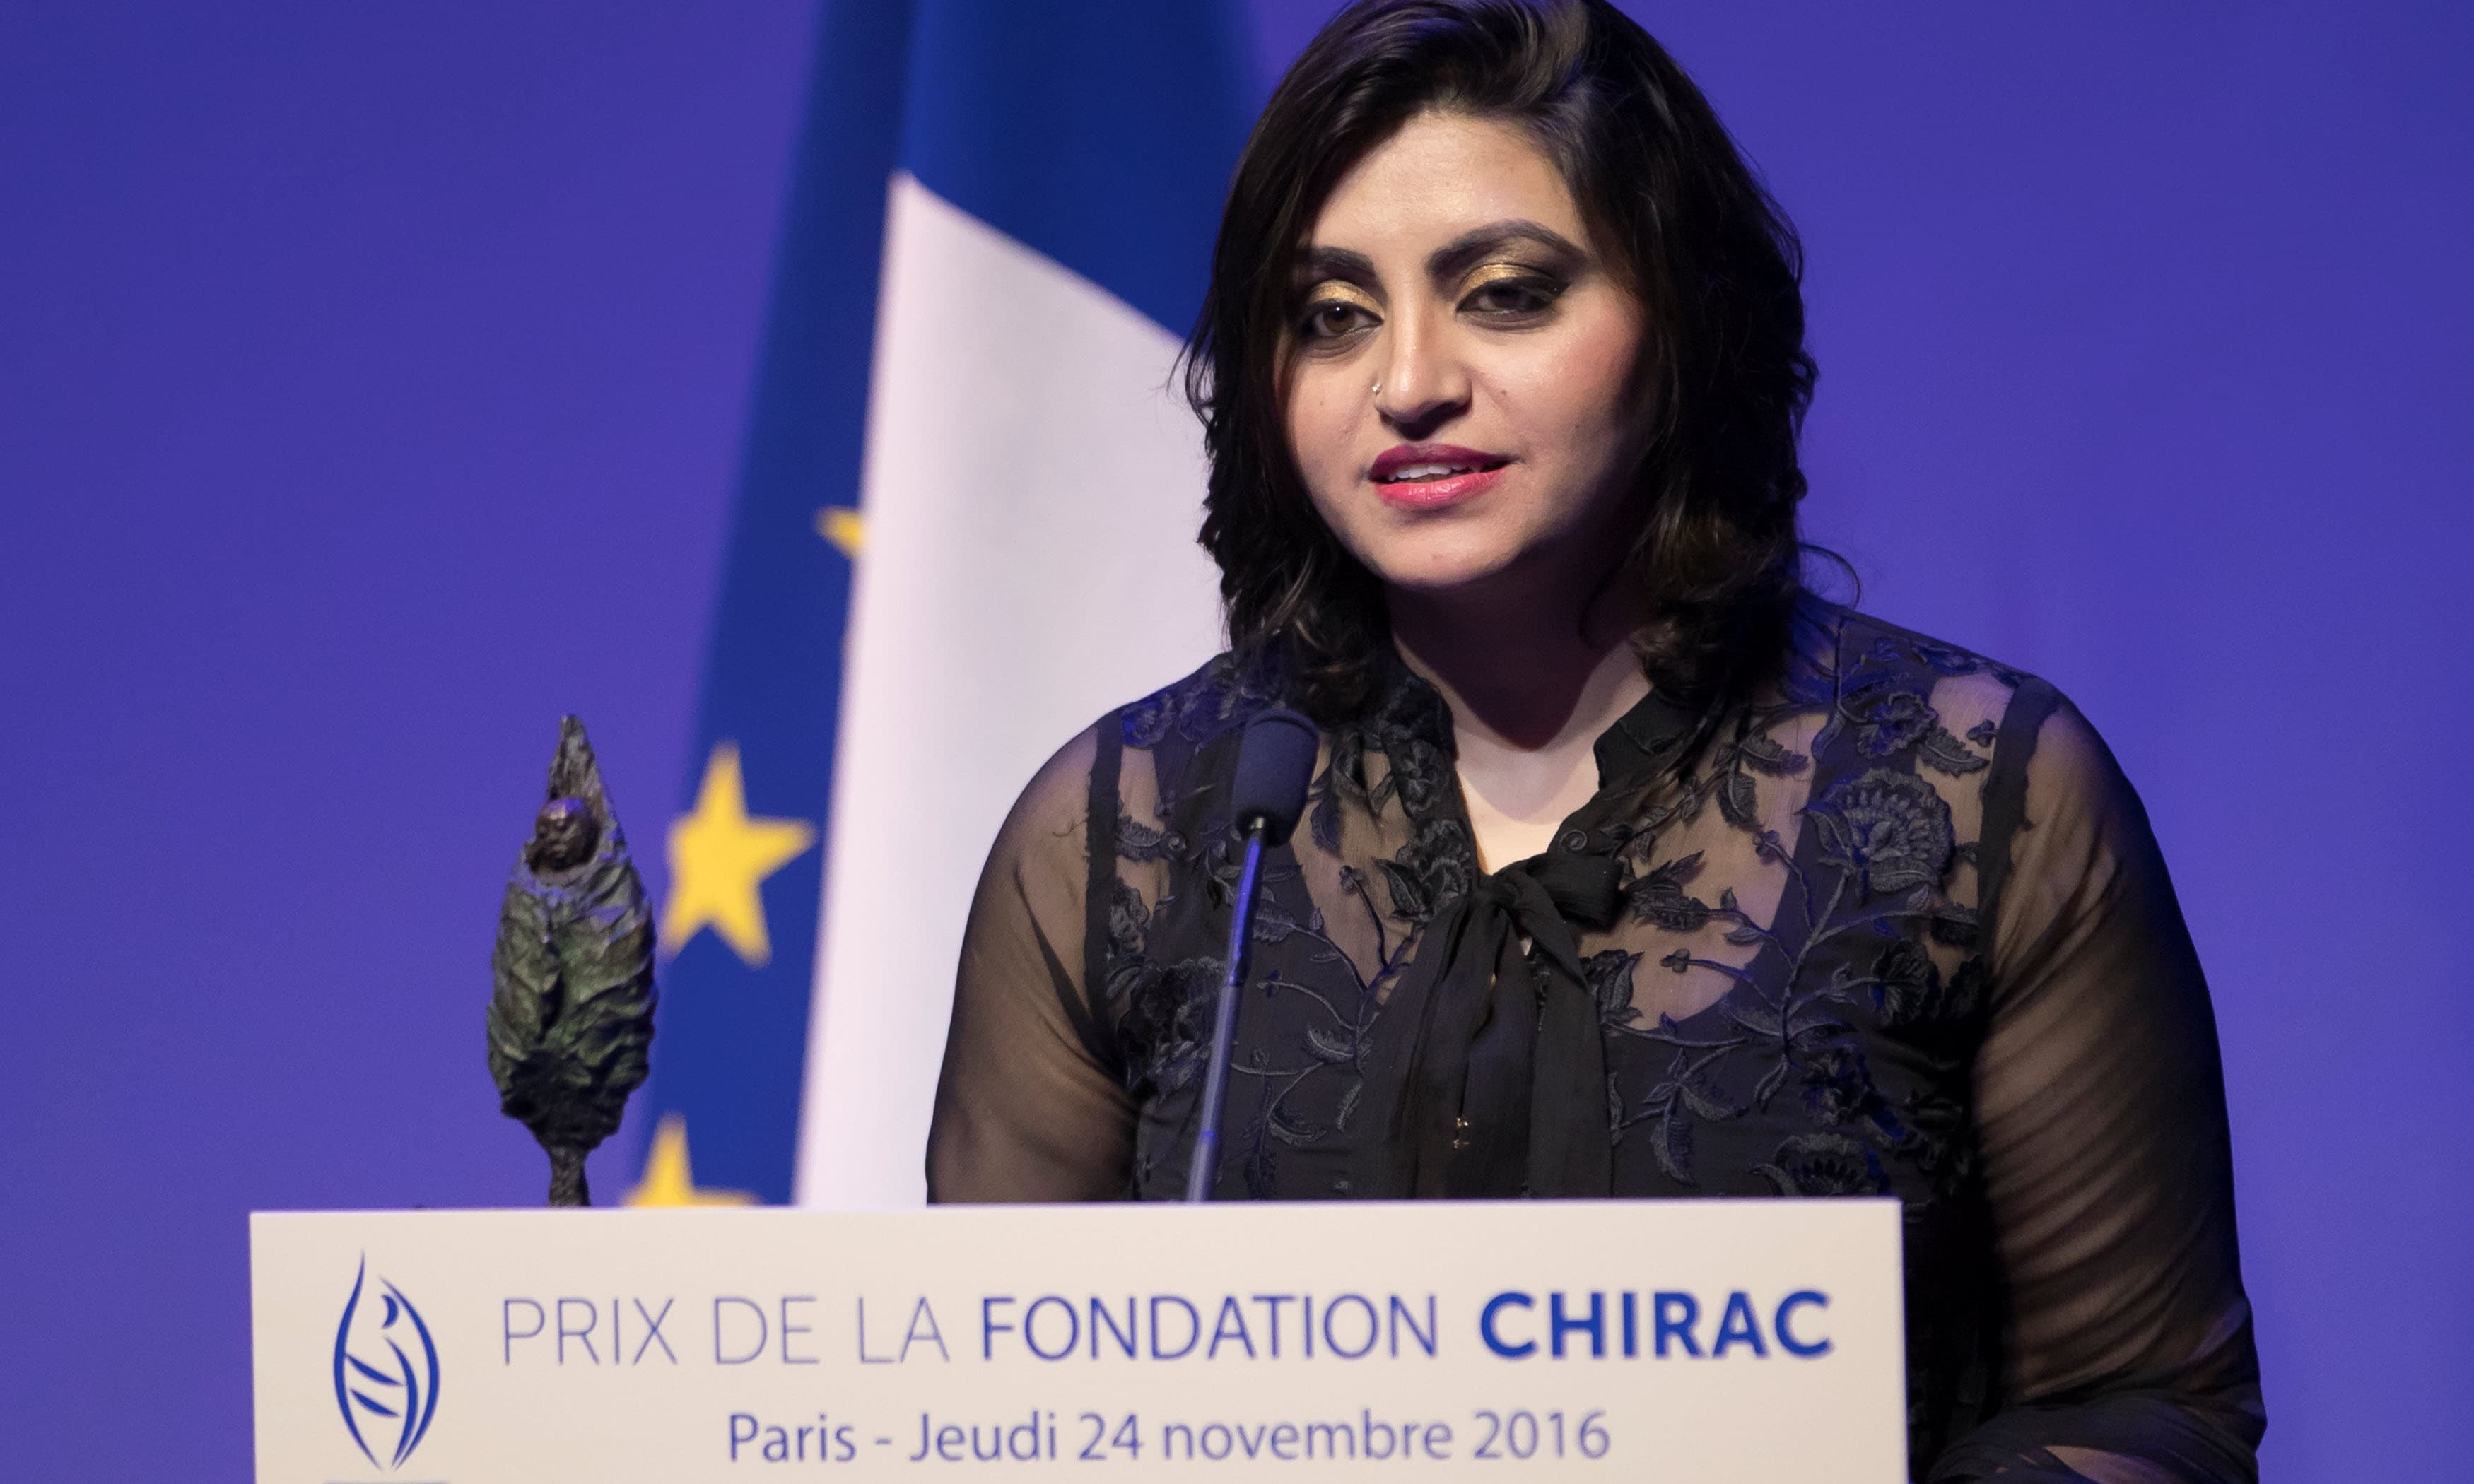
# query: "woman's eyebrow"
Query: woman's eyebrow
{"points": [[1454, 258], [1473, 247], [1313, 265]]}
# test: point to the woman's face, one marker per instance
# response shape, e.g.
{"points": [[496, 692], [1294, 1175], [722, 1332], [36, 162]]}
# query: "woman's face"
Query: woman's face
{"points": [[1460, 372]]}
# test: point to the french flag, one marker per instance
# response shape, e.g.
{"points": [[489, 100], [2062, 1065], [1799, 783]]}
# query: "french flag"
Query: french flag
{"points": [[964, 529]]}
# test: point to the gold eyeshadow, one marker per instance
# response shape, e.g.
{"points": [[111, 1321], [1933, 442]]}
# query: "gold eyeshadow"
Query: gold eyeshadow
{"points": [[1543, 284], [1489, 275], [1543, 281], [1339, 291]]}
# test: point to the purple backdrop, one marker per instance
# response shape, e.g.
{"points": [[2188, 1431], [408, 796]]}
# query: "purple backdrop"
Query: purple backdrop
{"points": [[347, 352]]}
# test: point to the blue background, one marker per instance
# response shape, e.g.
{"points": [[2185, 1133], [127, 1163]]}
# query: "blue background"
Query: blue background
{"points": [[373, 380]]}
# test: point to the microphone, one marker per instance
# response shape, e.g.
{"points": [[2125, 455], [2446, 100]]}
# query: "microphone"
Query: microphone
{"points": [[1276, 758]]}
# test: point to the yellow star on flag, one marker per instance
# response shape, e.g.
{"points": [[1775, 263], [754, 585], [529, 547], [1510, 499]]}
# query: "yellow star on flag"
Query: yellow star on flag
{"points": [[718, 859], [845, 527], [668, 1181]]}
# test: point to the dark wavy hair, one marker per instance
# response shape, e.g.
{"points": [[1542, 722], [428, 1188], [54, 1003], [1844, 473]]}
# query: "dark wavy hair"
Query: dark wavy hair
{"points": [[1715, 566]]}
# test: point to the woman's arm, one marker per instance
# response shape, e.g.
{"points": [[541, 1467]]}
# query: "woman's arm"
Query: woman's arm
{"points": [[2106, 1159], [1030, 1107]]}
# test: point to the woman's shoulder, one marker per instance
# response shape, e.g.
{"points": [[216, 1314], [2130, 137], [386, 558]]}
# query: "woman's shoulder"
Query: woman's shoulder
{"points": [[1219, 697], [1887, 681], [1880, 674], [1865, 645], [1147, 736]]}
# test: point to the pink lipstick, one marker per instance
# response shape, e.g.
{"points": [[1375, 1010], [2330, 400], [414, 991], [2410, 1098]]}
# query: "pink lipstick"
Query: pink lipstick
{"points": [[1430, 476]]}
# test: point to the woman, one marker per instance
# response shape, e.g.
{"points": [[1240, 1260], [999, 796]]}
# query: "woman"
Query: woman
{"points": [[1631, 868]]}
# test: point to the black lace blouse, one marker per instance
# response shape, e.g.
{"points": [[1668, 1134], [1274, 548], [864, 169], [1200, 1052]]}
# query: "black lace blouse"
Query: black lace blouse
{"points": [[1898, 927]]}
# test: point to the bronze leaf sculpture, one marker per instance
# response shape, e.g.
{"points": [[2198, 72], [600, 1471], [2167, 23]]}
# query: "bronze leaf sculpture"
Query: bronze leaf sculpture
{"points": [[571, 1012]]}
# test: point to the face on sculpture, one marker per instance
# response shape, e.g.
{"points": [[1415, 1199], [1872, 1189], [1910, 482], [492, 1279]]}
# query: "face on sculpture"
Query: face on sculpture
{"points": [[565, 835], [1460, 371]]}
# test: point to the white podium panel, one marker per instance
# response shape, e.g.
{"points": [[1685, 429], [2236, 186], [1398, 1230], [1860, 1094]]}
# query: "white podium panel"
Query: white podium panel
{"points": [[1616, 1340]]}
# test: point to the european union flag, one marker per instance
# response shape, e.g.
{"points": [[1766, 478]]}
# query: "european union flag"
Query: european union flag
{"points": [[964, 529]]}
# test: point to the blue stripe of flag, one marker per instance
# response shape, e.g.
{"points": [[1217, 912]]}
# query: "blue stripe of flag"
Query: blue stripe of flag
{"points": [[1098, 132]]}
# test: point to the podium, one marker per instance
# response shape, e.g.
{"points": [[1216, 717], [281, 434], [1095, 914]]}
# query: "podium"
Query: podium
{"points": [[1707, 1341]]}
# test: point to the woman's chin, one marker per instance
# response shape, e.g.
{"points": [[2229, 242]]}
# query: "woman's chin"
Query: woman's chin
{"points": [[1445, 576]]}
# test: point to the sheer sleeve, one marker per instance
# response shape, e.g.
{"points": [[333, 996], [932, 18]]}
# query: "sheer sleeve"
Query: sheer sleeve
{"points": [[1029, 1106], [2106, 1158]]}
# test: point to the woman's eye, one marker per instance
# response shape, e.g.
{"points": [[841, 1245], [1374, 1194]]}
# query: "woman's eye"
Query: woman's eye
{"points": [[1333, 318], [1512, 297]]}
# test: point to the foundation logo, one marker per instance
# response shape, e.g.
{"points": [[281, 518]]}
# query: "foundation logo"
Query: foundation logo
{"points": [[386, 1370]]}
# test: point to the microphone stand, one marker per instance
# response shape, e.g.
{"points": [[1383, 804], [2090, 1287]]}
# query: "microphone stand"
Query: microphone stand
{"points": [[1205, 1167]]}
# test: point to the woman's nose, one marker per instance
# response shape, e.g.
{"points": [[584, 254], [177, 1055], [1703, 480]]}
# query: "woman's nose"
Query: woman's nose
{"points": [[1424, 384]]}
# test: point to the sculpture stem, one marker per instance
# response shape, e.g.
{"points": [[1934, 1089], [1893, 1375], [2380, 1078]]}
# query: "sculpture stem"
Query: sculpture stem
{"points": [[567, 1186]]}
